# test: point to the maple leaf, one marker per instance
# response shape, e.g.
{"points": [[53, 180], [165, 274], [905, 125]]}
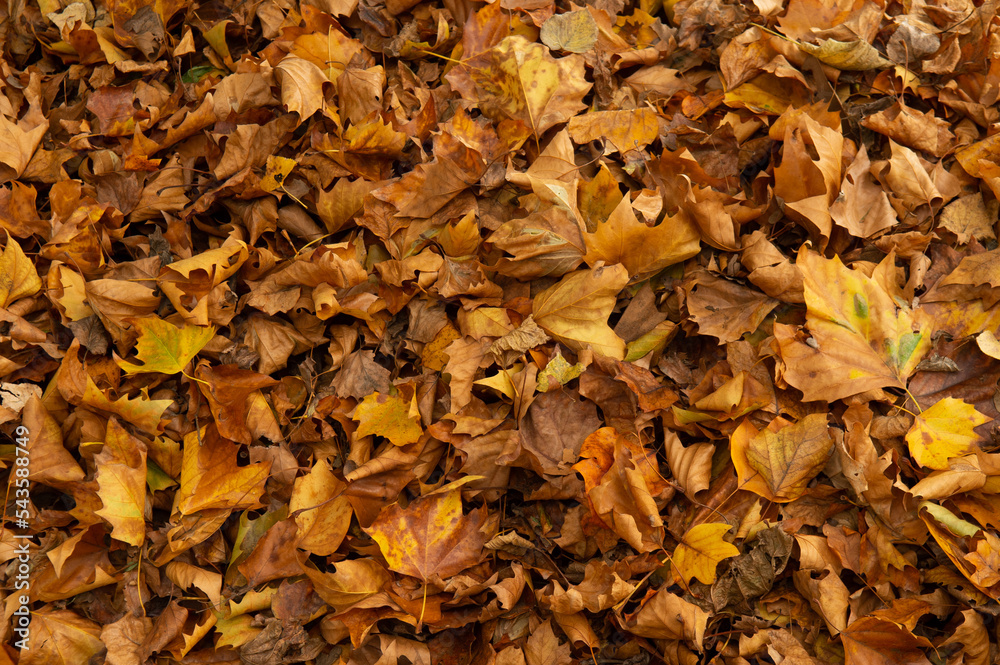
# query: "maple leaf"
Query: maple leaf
{"points": [[390, 416], [165, 348], [779, 462], [521, 81], [700, 551], [862, 340], [430, 539], [943, 431], [575, 310]]}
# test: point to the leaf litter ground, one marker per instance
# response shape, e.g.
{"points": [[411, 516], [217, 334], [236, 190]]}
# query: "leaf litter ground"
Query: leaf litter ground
{"points": [[517, 333]]}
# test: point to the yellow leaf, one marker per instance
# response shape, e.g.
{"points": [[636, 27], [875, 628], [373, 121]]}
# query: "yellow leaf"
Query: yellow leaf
{"points": [[322, 512], [575, 310], [860, 341], [121, 484], [18, 277], [140, 411], [700, 551], [575, 32], [779, 462], [165, 348], [430, 538], [519, 80], [558, 372], [856, 56], [278, 169], [641, 249], [389, 416], [626, 130], [944, 430], [351, 581]]}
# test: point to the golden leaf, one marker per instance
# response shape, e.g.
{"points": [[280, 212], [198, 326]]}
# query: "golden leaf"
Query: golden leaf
{"points": [[945, 430], [700, 551], [575, 310]]}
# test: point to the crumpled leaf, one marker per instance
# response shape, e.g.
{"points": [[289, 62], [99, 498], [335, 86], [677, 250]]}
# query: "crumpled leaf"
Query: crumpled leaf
{"points": [[575, 32], [853, 56]]}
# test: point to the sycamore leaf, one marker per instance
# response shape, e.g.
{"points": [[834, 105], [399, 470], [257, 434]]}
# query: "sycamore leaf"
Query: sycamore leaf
{"points": [[667, 616], [350, 582], [165, 348], [18, 277], [121, 484], [640, 248], [521, 81], [210, 477], [575, 32], [575, 310], [778, 462], [945, 430], [389, 416], [278, 169], [700, 551], [626, 130], [430, 539], [860, 341], [63, 637], [855, 56]]}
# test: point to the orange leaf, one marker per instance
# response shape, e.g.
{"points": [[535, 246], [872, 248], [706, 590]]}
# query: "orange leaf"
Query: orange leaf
{"points": [[210, 477], [779, 462], [430, 539]]}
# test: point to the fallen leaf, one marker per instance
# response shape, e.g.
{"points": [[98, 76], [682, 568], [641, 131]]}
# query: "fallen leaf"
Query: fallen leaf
{"points": [[943, 431], [165, 348], [431, 539], [700, 551], [575, 310]]}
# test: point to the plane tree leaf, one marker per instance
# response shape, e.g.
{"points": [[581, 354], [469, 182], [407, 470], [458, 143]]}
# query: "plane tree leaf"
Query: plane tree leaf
{"points": [[860, 340], [779, 461], [519, 80], [389, 415], [165, 348], [700, 551], [121, 484], [575, 310], [943, 431], [431, 539]]}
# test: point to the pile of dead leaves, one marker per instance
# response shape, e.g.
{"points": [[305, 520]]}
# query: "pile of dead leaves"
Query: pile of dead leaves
{"points": [[518, 333]]}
